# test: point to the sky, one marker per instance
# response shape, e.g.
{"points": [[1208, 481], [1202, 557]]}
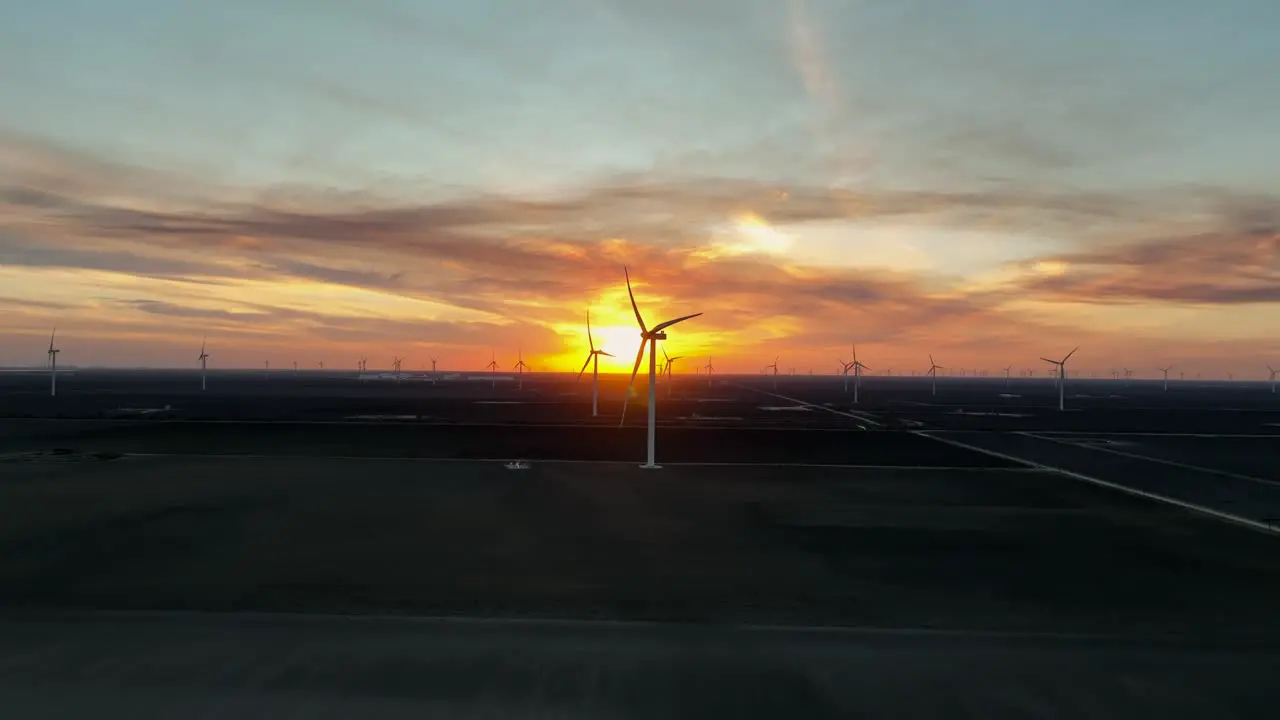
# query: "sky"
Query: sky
{"points": [[988, 181]]}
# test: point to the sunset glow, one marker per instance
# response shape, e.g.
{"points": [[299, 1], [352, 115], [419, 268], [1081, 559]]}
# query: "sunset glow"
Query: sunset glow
{"points": [[806, 175]]}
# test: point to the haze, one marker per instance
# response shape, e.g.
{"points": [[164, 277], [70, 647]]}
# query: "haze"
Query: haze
{"points": [[989, 181]]}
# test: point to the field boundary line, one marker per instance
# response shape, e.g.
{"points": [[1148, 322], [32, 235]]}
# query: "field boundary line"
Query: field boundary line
{"points": [[1162, 461], [1256, 525], [849, 414]]}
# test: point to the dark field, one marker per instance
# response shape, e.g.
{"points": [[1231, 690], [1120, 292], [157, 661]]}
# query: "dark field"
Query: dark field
{"points": [[991, 552]]}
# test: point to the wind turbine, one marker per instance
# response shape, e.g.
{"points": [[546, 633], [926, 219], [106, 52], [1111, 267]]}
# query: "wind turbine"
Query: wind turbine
{"points": [[396, 364], [1166, 370], [845, 367], [709, 370], [1062, 376], [651, 337], [858, 367], [493, 368], [204, 363], [1007, 371], [520, 368], [1273, 380], [669, 362], [775, 372], [933, 373], [53, 365], [295, 367], [593, 359]]}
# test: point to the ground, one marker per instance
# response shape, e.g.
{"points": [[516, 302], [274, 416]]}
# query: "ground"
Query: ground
{"points": [[968, 527]]}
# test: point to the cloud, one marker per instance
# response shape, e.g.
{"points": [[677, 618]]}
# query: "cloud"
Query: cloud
{"points": [[534, 263]]}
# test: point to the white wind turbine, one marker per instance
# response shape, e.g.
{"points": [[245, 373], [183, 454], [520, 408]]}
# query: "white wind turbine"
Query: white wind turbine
{"points": [[667, 367], [493, 368], [933, 373], [1166, 370], [858, 367], [1061, 376], [651, 337], [1273, 379], [593, 359], [53, 365], [520, 367], [204, 363]]}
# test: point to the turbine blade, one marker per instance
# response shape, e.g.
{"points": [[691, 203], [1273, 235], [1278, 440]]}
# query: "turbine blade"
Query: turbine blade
{"points": [[601, 352], [665, 355], [633, 300], [584, 366], [931, 362], [669, 323], [591, 343], [1055, 362], [636, 369], [1073, 352]]}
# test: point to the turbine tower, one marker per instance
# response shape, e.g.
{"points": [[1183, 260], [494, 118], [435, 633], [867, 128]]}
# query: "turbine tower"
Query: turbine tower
{"points": [[593, 359], [204, 364], [493, 368], [933, 373], [1166, 370], [520, 368], [651, 337], [709, 369], [53, 365], [1062, 376]]}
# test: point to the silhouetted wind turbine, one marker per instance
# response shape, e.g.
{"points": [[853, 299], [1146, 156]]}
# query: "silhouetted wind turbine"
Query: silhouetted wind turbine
{"points": [[1062, 376], [708, 367], [775, 372], [204, 363], [651, 337], [845, 367], [1273, 379], [493, 368], [396, 364], [1007, 372], [520, 368], [53, 365], [667, 366], [858, 367], [933, 373], [593, 359], [1166, 370]]}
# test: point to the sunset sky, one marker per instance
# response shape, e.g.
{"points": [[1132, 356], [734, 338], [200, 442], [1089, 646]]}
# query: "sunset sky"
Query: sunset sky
{"points": [[316, 180]]}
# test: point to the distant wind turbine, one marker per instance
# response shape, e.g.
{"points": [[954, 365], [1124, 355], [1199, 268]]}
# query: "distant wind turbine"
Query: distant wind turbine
{"points": [[1007, 372], [295, 367], [858, 367], [396, 364], [520, 367], [493, 368], [708, 367], [775, 372], [1273, 379], [670, 361], [204, 363], [1062, 376], [1166, 370], [845, 367], [593, 359], [933, 373], [651, 337], [53, 365]]}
